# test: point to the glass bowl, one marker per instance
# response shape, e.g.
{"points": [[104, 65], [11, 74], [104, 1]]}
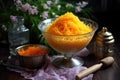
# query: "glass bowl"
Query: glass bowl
{"points": [[68, 45]]}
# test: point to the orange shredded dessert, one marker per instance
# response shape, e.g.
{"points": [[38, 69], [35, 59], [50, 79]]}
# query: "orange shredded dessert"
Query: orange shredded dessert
{"points": [[32, 51], [68, 24], [68, 29]]}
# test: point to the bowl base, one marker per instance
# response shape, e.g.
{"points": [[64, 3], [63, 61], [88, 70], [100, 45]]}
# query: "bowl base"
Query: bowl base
{"points": [[63, 62]]}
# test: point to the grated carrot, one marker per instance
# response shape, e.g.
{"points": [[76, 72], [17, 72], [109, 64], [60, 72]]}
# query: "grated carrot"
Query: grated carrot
{"points": [[68, 24], [33, 51], [64, 26]]}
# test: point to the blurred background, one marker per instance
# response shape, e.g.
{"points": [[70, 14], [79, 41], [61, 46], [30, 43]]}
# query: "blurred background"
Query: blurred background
{"points": [[106, 13]]}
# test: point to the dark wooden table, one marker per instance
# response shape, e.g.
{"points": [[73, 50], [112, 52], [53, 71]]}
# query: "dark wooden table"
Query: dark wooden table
{"points": [[110, 73]]}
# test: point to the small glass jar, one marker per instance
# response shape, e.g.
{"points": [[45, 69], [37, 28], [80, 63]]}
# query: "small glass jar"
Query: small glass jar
{"points": [[18, 35]]}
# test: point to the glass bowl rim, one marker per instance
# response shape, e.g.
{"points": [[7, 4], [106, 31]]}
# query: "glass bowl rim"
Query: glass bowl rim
{"points": [[94, 29]]}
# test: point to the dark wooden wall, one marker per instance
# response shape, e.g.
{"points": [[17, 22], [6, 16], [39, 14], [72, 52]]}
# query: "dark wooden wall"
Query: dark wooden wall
{"points": [[107, 14]]}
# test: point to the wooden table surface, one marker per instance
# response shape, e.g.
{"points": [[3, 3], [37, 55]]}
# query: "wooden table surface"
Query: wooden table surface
{"points": [[110, 73]]}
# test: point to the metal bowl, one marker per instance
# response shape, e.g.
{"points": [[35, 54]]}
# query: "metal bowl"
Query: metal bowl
{"points": [[32, 62]]}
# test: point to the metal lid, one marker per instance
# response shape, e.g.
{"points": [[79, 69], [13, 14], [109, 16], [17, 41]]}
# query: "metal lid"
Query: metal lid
{"points": [[104, 37]]}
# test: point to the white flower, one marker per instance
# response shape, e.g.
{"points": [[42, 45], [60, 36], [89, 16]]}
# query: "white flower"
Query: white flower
{"points": [[58, 7], [69, 5], [77, 9], [56, 1], [49, 3], [45, 6], [83, 4]]}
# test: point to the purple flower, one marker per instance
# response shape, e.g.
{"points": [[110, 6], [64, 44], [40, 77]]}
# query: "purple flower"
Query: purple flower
{"points": [[18, 2], [30, 9], [44, 15], [33, 10], [14, 19], [25, 7]]}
